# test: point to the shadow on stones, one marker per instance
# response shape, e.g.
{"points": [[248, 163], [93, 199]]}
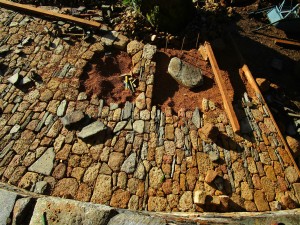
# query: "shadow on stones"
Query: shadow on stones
{"points": [[26, 214], [164, 85]]}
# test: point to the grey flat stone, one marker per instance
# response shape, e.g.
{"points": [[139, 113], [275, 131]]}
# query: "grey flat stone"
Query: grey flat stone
{"points": [[62, 108], [15, 129], [7, 202], [196, 119], [129, 164], [92, 129], [14, 78], [135, 219], [25, 80], [149, 51], [40, 187], [127, 111], [44, 164], [138, 126], [113, 106], [120, 126], [72, 118], [69, 212]]}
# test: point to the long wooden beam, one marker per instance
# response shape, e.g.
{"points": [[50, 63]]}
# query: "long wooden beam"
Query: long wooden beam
{"points": [[220, 82], [255, 87], [39, 11], [287, 42]]}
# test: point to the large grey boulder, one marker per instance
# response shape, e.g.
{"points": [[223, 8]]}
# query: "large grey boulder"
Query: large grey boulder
{"points": [[184, 73]]}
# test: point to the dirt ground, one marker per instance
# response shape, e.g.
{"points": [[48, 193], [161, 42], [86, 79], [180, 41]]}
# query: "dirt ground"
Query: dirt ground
{"points": [[103, 78], [276, 63], [167, 92]]}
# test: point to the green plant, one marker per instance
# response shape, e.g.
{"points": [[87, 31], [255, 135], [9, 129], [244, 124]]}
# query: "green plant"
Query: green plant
{"points": [[136, 4], [152, 16]]}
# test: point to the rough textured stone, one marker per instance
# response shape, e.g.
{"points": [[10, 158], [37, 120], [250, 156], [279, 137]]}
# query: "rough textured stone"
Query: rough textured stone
{"points": [[260, 201], [210, 176], [186, 201], [209, 132], [115, 160], [129, 164], [291, 174], [149, 51], [199, 197], [120, 199], [103, 189], [140, 101], [156, 177], [134, 46], [157, 204], [294, 145], [91, 130], [57, 209], [91, 173], [66, 187], [44, 164], [184, 73]]}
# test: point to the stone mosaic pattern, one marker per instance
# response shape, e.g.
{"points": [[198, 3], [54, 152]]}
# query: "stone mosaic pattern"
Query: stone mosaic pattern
{"points": [[147, 159]]}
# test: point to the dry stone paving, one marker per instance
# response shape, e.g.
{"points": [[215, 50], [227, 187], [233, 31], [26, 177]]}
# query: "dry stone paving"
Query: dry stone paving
{"points": [[58, 141]]}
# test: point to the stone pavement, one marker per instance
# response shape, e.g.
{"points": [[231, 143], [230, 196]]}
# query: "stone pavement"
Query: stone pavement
{"points": [[139, 157], [22, 208]]}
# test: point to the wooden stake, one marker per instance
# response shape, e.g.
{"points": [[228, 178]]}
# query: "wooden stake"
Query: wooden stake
{"points": [[33, 10], [220, 82], [166, 43], [197, 40], [182, 43]]}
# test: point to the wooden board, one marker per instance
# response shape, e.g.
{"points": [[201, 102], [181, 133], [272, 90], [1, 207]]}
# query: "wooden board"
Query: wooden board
{"points": [[220, 82], [255, 87], [39, 11], [286, 42]]}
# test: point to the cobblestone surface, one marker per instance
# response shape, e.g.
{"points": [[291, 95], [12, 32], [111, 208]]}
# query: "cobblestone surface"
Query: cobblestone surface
{"points": [[146, 159]]}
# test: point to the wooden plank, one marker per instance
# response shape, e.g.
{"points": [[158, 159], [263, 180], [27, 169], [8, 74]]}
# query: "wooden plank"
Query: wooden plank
{"points": [[255, 87], [39, 11], [287, 42], [220, 82]]}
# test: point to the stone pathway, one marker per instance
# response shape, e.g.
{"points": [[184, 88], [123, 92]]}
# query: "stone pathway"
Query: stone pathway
{"points": [[136, 157]]}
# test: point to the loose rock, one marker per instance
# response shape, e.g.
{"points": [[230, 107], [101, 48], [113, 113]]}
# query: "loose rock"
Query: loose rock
{"points": [[185, 74]]}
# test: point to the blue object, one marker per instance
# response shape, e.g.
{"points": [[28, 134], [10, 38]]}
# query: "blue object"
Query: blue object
{"points": [[282, 18]]}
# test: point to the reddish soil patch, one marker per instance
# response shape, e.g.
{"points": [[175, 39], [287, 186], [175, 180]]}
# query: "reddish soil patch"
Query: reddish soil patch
{"points": [[103, 79], [167, 92]]}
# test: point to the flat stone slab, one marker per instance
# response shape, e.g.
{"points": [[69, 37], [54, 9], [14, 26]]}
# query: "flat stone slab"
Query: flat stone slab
{"points": [[7, 202], [44, 164], [135, 219], [72, 118], [184, 73], [64, 211], [92, 129]]}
